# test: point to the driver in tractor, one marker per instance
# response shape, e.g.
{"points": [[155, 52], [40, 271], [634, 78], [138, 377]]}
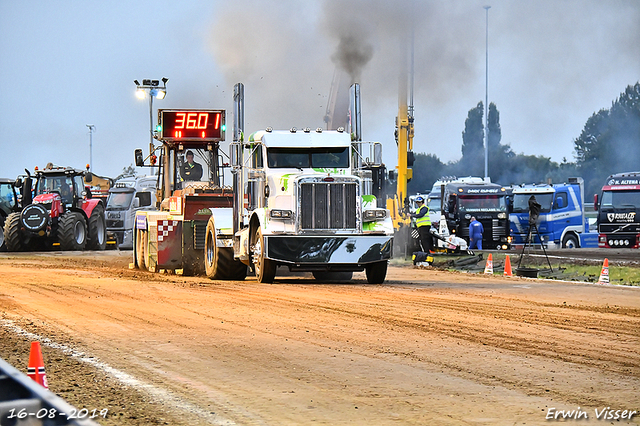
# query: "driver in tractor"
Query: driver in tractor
{"points": [[191, 171]]}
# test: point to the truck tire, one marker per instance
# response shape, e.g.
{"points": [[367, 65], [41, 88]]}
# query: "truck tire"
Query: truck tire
{"points": [[376, 272], [333, 276], [219, 263], [72, 231], [13, 238], [265, 268], [97, 229], [570, 241]]}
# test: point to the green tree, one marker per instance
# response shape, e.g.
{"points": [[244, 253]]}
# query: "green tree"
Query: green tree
{"points": [[128, 171], [427, 169], [473, 142], [610, 140]]}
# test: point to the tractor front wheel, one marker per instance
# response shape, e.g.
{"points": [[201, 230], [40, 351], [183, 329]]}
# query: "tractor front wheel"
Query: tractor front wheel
{"points": [[72, 231]]}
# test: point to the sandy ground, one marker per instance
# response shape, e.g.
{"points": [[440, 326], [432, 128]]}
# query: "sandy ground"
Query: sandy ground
{"points": [[426, 348]]}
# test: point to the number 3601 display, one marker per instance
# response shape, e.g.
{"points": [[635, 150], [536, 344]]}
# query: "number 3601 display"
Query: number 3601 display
{"points": [[191, 125]]}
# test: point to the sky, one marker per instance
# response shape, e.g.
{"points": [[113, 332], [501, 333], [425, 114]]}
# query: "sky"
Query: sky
{"points": [[67, 64]]}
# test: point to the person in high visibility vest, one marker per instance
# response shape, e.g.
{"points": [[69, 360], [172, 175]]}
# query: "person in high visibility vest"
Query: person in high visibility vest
{"points": [[423, 223]]}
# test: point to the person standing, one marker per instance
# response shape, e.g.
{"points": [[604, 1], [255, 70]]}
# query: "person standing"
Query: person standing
{"points": [[475, 234], [423, 223]]}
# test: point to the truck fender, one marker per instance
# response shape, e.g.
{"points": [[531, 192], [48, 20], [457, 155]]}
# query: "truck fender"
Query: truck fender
{"points": [[570, 233]]}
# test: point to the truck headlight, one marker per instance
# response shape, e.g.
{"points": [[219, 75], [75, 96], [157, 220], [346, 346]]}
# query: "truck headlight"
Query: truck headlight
{"points": [[281, 214], [502, 215], [374, 214]]}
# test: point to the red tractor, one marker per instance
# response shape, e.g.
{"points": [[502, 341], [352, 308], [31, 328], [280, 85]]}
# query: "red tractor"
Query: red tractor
{"points": [[62, 211]]}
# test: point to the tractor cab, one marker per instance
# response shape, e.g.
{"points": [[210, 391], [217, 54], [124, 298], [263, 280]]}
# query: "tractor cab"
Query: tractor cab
{"points": [[60, 186]]}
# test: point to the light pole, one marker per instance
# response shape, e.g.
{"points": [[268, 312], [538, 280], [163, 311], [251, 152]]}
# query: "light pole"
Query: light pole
{"points": [[92, 128], [486, 98], [155, 90]]}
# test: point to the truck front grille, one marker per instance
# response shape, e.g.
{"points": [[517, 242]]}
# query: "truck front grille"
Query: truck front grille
{"points": [[328, 205], [115, 223]]}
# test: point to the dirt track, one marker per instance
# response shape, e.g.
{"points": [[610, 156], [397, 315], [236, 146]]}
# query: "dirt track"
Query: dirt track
{"points": [[426, 348]]}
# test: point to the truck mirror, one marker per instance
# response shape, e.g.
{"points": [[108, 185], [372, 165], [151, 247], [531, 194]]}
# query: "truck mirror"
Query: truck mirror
{"points": [[139, 158], [559, 203], [236, 154], [136, 203], [18, 183], [595, 202], [88, 177], [377, 153]]}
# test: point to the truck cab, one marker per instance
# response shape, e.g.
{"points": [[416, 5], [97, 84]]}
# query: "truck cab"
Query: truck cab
{"points": [[308, 208], [561, 222], [619, 211], [126, 197], [469, 197]]}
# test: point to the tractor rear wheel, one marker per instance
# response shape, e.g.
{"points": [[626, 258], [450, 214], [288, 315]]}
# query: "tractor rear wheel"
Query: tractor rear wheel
{"points": [[12, 234], [219, 263], [97, 229], [3, 246], [72, 231]]}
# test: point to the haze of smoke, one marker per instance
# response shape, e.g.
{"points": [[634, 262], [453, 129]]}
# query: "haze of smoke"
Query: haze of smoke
{"points": [[287, 64]]}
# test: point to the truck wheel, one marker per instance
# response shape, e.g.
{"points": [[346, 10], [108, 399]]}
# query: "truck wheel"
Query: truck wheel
{"points": [[265, 268], [72, 231], [212, 265], [376, 272], [570, 241], [333, 276], [12, 235], [97, 229], [219, 263], [234, 269]]}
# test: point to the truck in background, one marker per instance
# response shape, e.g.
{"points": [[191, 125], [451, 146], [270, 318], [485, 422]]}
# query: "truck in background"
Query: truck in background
{"points": [[469, 197], [619, 211], [126, 197], [562, 222]]}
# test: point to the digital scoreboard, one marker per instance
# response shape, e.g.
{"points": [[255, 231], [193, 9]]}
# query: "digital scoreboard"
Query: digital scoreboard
{"points": [[191, 125]]}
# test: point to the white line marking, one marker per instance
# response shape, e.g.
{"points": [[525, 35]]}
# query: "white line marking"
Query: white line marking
{"points": [[121, 376]]}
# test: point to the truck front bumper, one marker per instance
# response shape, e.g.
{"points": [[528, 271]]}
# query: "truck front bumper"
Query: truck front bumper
{"points": [[318, 251]]}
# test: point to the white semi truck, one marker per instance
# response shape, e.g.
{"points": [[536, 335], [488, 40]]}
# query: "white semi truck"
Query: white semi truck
{"points": [[300, 199]]}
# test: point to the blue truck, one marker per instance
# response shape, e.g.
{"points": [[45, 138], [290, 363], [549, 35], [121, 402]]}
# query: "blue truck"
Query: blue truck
{"points": [[561, 223]]}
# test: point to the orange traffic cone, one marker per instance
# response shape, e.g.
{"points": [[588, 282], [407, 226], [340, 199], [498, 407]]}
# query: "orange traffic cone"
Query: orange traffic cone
{"points": [[488, 269], [507, 267], [36, 365], [604, 274]]}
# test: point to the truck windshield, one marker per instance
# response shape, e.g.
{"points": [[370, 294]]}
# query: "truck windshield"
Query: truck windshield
{"points": [[303, 158], [620, 199], [434, 204], [119, 200], [521, 202], [482, 203]]}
